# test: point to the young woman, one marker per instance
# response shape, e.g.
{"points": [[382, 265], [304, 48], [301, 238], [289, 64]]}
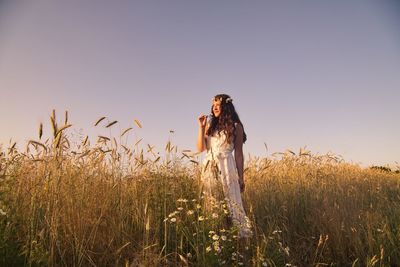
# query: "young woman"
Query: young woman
{"points": [[220, 136]]}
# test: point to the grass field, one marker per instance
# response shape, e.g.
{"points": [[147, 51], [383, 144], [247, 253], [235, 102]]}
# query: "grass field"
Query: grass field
{"points": [[67, 202]]}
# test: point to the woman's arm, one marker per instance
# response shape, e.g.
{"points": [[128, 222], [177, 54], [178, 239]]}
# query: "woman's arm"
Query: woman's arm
{"points": [[201, 144], [239, 154]]}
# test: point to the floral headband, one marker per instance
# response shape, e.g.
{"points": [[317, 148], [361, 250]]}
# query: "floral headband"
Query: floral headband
{"points": [[228, 100]]}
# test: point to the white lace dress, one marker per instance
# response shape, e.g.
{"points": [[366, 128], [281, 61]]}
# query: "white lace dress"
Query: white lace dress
{"points": [[219, 154]]}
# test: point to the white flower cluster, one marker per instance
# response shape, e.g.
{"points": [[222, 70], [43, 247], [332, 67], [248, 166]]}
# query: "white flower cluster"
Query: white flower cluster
{"points": [[228, 100]]}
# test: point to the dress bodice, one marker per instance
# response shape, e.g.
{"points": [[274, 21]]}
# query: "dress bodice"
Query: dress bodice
{"points": [[217, 146]]}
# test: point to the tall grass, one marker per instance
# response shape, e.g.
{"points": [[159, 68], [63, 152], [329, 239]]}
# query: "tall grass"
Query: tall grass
{"points": [[66, 202]]}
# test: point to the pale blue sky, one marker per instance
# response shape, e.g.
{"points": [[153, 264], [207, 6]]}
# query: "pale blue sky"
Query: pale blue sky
{"points": [[321, 74]]}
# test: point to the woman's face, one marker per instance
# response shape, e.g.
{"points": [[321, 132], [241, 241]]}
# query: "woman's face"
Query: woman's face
{"points": [[217, 108]]}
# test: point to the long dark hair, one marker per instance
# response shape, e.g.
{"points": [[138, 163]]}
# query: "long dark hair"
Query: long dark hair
{"points": [[225, 122]]}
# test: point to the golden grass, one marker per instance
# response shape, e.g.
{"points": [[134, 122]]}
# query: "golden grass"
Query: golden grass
{"points": [[111, 203]]}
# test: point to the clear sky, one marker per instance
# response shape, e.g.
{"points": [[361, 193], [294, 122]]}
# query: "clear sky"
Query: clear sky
{"points": [[321, 74]]}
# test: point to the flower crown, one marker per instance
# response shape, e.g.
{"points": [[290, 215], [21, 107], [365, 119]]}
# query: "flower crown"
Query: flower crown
{"points": [[228, 100]]}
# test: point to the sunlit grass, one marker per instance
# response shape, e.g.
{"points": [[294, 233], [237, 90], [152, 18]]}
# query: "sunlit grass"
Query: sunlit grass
{"points": [[66, 202]]}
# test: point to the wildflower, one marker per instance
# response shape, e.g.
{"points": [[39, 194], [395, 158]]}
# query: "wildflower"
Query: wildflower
{"points": [[189, 212], [214, 215], [173, 220], [286, 250], [2, 212], [226, 211], [166, 219], [215, 237], [201, 218], [211, 232], [223, 237], [234, 254], [173, 214], [216, 246], [180, 208], [182, 200], [208, 249], [198, 206], [265, 264], [320, 241], [240, 263], [189, 255]]}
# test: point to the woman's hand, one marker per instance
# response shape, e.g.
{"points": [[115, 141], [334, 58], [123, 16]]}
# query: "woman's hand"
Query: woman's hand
{"points": [[241, 185], [202, 121], [201, 144]]}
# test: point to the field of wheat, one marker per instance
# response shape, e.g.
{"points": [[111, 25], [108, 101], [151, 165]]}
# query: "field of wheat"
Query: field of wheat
{"points": [[65, 201]]}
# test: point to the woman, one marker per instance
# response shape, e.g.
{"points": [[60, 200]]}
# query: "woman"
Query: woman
{"points": [[220, 137]]}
